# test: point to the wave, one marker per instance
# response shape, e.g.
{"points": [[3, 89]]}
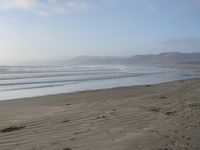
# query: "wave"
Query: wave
{"points": [[55, 75], [18, 82], [90, 78]]}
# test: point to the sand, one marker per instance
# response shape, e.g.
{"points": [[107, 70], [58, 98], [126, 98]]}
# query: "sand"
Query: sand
{"points": [[154, 117]]}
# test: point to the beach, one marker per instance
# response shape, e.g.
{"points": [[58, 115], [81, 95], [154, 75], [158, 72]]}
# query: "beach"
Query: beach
{"points": [[148, 117], [99, 75]]}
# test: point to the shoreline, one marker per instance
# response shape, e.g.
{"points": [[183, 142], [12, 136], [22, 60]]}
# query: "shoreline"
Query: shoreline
{"points": [[159, 116]]}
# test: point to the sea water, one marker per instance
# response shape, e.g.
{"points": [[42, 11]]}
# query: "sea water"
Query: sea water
{"points": [[30, 81]]}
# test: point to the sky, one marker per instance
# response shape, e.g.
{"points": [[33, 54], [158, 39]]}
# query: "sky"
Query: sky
{"points": [[58, 29]]}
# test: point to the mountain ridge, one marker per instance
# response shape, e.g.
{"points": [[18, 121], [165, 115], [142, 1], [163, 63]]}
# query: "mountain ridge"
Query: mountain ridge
{"points": [[167, 58], [161, 59]]}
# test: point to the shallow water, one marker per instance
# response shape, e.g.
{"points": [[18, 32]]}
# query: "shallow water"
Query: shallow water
{"points": [[26, 81]]}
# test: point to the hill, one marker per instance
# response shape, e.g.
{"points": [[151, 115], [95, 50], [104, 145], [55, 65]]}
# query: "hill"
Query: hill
{"points": [[162, 59]]}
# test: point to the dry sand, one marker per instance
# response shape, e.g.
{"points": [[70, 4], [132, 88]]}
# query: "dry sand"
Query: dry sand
{"points": [[157, 117]]}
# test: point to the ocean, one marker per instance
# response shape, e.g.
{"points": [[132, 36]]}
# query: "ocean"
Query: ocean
{"points": [[30, 81]]}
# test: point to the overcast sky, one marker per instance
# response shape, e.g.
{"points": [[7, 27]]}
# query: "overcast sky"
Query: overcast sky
{"points": [[52, 29]]}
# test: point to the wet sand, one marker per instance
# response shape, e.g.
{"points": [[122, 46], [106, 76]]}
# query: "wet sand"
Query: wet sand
{"points": [[151, 117]]}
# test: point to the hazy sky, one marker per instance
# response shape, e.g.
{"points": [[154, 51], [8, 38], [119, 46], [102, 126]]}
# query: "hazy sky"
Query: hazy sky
{"points": [[51, 29]]}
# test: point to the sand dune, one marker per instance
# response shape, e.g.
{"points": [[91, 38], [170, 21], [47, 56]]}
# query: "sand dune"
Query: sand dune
{"points": [[156, 117]]}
